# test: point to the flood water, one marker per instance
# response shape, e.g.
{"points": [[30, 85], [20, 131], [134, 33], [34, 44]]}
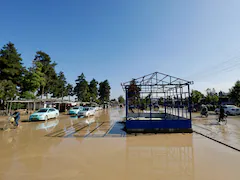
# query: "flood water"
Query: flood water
{"points": [[84, 148]]}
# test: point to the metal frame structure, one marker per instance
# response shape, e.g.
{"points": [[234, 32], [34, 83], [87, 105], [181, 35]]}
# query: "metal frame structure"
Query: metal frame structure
{"points": [[171, 93]]}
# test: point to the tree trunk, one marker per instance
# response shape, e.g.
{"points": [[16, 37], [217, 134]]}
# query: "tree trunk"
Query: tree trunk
{"points": [[7, 107], [34, 106], [10, 108], [42, 92]]}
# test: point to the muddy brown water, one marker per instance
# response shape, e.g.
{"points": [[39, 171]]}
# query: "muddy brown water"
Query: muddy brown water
{"points": [[27, 153]]}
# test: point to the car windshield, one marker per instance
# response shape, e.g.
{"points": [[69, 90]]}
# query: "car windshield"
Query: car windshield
{"points": [[42, 110], [76, 108], [232, 106], [85, 109]]}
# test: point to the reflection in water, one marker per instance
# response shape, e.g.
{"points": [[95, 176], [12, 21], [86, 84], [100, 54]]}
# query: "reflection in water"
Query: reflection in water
{"points": [[160, 158], [90, 120], [73, 117], [48, 125]]}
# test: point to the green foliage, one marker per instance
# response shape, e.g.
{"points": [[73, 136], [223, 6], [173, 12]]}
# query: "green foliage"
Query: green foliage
{"points": [[28, 95], [60, 89], [212, 97], [16, 106], [33, 79], [48, 69], [81, 89], [161, 101], [121, 99], [133, 93], [8, 89], [10, 64], [69, 89], [235, 93], [93, 90], [97, 101], [196, 96], [104, 91], [10, 71]]}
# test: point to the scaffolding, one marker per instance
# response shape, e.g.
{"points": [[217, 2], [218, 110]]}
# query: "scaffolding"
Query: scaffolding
{"points": [[155, 97]]}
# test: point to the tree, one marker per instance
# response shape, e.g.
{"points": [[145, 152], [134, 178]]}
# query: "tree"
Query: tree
{"points": [[7, 89], [32, 80], [28, 95], [121, 99], [48, 69], [234, 93], [196, 96], [60, 89], [81, 89], [10, 71], [69, 91], [104, 91], [10, 64], [133, 93], [93, 90], [212, 96]]}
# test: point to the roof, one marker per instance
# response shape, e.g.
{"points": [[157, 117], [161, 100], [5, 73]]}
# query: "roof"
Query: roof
{"points": [[159, 80], [39, 100]]}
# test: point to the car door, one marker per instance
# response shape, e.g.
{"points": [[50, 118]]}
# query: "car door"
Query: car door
{"points": [[55, 113], [52, 113], [225, 109]]}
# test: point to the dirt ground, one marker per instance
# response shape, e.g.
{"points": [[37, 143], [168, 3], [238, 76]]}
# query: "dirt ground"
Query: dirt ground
{"points": [[50, 150]]}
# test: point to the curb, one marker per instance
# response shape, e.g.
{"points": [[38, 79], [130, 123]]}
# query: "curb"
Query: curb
{"points": [[236, 149]]}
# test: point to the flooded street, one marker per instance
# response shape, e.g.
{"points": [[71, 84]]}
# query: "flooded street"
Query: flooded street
{"points": [[96, 148]]}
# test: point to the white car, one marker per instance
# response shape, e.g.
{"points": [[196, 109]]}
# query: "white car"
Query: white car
{"points": [[86, 111], [44, 114], [96, 108], [229, 110], [75, 110]]}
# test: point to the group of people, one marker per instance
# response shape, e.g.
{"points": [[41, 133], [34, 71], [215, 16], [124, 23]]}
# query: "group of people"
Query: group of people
{"points": [[204, 110]]}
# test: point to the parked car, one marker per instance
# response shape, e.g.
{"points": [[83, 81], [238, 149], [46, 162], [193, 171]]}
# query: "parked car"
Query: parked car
{"points": [[95, 108], [75, 110], [44, 114], [86, 111], [229, 110]]}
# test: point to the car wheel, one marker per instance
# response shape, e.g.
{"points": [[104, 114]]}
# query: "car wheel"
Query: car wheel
{"points": [[46, 118]]}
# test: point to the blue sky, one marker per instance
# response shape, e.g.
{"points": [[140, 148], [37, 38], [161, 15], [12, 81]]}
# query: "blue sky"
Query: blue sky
{"points": [[125, 39]]}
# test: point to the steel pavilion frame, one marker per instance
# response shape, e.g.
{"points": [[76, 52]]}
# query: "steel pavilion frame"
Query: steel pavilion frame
{"points": [[168, 87]]}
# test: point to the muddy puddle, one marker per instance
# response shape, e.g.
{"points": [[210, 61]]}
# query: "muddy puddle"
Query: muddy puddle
{"points": [[57, 149]]}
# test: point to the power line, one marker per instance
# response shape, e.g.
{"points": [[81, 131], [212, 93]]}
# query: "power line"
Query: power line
{"points": [[222, 65], [220, 68]]}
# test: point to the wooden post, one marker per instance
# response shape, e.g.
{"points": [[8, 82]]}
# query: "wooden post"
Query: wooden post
{"points": [[34, 106], [10, 108], [7, 107]]}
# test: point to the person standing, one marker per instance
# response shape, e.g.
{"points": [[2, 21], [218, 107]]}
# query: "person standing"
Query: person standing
{"points": [[16, 116], [221, 113]]}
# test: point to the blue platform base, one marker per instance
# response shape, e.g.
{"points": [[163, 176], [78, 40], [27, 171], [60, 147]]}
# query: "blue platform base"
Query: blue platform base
{"points": [[159, 126]]}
